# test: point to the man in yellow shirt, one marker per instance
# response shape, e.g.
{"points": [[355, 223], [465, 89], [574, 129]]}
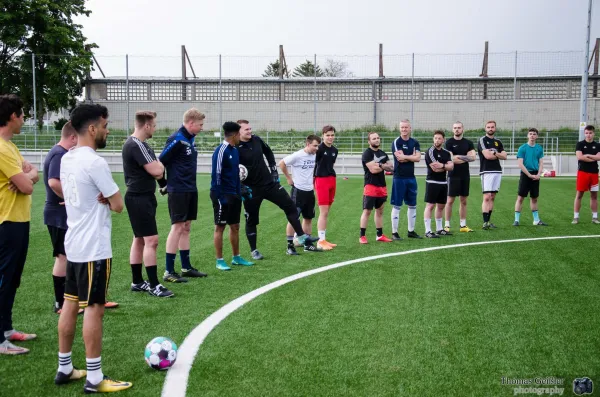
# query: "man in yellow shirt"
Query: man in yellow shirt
{"points": [[17, 178]]}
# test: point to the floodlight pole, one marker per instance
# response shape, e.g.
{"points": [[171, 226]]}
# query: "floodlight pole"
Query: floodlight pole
{"points": [[584, 79]]}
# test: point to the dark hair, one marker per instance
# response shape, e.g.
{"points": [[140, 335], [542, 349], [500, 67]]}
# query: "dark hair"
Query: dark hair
{"points": [[534, 130], [85, 114], [9, 104], [143, 117], [371, 133], [439, 132], [490, 122], [230, 128], [311, 138], [242, 121], [68, 130], [328, 128], [589, 128]]}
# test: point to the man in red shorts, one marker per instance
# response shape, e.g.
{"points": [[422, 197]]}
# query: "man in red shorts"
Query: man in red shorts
{"points": [[587, 152], [325, 183]]}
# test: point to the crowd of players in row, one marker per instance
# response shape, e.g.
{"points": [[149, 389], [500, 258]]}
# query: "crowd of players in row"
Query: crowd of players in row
{"points": [[81, 193]]}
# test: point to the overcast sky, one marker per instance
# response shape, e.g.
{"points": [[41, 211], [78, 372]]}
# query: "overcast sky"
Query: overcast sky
{"points": [[327, 27]]}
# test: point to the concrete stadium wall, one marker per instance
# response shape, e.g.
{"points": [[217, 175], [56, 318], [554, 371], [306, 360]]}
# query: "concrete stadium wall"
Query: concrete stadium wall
{"points": [[429, 115]]}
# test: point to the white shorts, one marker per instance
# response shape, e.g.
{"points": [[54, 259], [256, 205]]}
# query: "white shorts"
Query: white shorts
{"points": [[490, 183]]}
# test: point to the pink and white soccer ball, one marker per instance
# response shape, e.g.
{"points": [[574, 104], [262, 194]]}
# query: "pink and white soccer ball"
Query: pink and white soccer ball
{"points": [[161, 353]]}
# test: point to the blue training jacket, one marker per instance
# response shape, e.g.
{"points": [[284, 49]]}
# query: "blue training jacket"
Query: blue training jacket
{"points": [[225, 176], [180, 159]]}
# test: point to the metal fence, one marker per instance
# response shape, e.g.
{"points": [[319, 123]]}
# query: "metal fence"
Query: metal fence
{"points": [[354, 93]]}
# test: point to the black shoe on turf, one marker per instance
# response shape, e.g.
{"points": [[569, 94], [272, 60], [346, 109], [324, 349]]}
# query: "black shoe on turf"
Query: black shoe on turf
{"points": [[431, 235], [144, 286], [413, 234], [291, 250], [160, 292], [311, 248], [62, 379], [191, 272], [174, 278], [396, 237], [443, 233]]}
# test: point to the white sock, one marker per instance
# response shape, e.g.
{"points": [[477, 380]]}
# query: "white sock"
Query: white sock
{"points": [[395, 218], [412, 218], [594, 215], [438, 224], [427, 225], [65, 365], [322, 235], [447, 223], [574, 216], [94, 370], [463, 223]]}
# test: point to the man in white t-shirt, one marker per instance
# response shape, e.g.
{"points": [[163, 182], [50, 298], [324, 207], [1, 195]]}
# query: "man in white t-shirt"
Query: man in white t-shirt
{"points": [[90, 194], [302, 165]]}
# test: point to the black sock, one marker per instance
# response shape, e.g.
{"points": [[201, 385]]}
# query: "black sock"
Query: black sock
{"points": [[490, 215], [379, 231], [486, 216], [136, 273], [363, 231], [59, 290], [152, 277], [290, 241], [252, 241]]}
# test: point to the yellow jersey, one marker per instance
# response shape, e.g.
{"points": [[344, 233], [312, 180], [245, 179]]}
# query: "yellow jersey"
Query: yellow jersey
{"points": [[14, 206]]}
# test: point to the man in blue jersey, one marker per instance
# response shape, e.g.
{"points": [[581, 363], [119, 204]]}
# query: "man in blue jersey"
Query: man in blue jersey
{"points": [[407, 152], [180, 159], [530, 157], [226, 194]]}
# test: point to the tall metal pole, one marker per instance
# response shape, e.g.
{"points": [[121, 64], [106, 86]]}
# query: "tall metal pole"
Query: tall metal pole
{"points": [[127, 88], [220, 97], [412, 91], [514, 109], [315, 72], [584, 80], [34, 102]]}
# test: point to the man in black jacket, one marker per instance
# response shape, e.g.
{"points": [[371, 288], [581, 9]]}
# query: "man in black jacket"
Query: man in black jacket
{"points": [[264, 182]]}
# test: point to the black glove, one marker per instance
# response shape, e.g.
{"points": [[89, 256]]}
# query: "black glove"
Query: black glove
{"points": [[246, 193], [162, 184], [274, 174]]}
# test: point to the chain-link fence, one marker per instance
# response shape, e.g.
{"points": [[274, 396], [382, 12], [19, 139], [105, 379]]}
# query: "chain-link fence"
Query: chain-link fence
{"points": [[356, 94]]}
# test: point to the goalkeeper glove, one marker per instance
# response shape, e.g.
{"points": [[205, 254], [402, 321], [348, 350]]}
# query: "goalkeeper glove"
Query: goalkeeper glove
{"points": [[246, 193]]}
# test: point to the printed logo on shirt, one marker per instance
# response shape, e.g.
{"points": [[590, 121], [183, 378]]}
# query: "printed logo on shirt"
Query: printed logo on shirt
{"points": [[378, 159]]}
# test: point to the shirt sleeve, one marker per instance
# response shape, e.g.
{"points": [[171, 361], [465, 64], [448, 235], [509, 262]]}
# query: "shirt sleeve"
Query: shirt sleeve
{"points": [[100, 173], [172, 147], [417, 146], [579, 147], [366, 158], [428, 157], [541, 151], [521, 152], [267, 152], [141, 154], [54, 167], [290, 160], [481, 144], [470, 146], [500, 146], [9, 164]]}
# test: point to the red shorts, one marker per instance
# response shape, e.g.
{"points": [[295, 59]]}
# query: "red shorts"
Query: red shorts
{"points": [[325, 189], [375, 191], [587, 182]]}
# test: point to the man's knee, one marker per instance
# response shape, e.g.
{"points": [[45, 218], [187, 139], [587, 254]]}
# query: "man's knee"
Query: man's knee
{"points": [[151, 241]]}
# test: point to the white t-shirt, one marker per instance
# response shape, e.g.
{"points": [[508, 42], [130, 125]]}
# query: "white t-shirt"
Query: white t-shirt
{"points": [[83, 176], [302, 166]]}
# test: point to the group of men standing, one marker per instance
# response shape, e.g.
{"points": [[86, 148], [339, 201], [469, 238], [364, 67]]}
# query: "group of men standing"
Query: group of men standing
{"points": [[81, 194]]}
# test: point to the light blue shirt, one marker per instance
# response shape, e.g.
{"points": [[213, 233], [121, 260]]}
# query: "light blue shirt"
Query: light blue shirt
{"points": [[531, 156]]}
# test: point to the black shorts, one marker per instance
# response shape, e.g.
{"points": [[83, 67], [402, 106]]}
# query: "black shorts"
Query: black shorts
{"points": [[183, 206], [528, 186], [87, 283], [370, 202], [304, 201], [227, 211], [459, 186], [57, 236], [436, 193], [141, 209]]}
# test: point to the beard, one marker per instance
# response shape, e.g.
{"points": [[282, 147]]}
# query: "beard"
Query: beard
{"points": [[101, 142], [375, 146]]}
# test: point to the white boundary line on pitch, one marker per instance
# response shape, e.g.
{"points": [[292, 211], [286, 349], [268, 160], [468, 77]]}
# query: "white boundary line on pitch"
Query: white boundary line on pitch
{"points": [[177, 378]]}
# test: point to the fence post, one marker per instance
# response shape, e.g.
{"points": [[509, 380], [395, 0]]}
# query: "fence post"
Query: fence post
{"points": [[514, 107], [315, 92], [127, 88], [34, 102], [221, 97], [412, 91], [374, 104]]}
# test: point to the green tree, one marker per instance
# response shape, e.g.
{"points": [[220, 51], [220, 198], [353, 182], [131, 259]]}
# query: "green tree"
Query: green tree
{"points": [[62, 57], [272, 69], [307, 69]]}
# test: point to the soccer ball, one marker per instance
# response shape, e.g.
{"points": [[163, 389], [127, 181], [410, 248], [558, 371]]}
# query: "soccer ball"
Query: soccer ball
{"points": [[161, 353], [243, 173]]}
